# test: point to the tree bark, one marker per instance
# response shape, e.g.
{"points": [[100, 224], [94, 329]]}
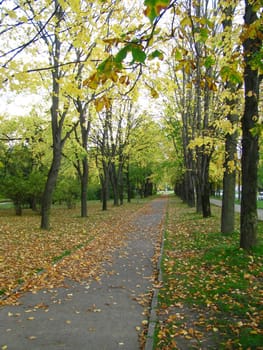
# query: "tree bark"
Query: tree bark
{"points": [[250, 147], [229, 184], [205, 195], [229, 178], [49, 187], [128, 181], [104, 178], [115, 184], [84, 187], [56, 135], [57, 120]]}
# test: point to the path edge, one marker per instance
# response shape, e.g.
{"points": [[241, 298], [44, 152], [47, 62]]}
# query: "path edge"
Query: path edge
{"points": [[154, 303]]}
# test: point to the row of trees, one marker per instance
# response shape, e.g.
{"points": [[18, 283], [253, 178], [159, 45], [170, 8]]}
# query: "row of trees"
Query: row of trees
{"points": [[116, 162], [214, 77], [90, 61], [61, 44]]}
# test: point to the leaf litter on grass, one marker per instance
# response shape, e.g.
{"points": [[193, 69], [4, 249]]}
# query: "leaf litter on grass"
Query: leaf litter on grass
{"points": [[73, 248], [211, 296]]}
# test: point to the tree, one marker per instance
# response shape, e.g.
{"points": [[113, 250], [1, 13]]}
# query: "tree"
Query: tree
{"points": [[231, 90], [252, 45], [54, 44], [15, 173], [22, 165]]}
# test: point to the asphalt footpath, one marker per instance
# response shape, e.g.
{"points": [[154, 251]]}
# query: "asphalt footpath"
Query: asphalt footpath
{"points": [[108, 313]]}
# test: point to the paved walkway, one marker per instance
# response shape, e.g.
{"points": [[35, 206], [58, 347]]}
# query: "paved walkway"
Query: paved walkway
{"points": [[218, 202], [94, 315]]}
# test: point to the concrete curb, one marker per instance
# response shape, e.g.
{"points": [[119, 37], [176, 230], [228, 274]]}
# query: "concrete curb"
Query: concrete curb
{"points": [[153, 316]]}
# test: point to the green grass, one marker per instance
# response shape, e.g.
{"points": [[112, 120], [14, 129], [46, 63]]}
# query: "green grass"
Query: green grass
{"points": [[6, 204], [60, 257], [208, 272]]}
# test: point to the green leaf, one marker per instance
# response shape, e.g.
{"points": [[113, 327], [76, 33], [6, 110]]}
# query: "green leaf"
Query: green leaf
{"points": [[209, 62], [228, 73], [121, 55], [138, 54], [156, 54], [177, 54], [105, 65], [154, 7], [203, 35]]}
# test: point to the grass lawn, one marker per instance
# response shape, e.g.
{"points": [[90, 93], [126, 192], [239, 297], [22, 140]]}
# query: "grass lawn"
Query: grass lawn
{"points": [[212, 291]]}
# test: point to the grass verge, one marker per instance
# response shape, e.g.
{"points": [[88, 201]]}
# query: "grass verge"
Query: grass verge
{"points": [[211, 297]]}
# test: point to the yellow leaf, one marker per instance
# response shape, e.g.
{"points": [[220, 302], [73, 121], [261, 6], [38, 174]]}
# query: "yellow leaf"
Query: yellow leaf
{"points": [[92, 82], [154, 93], [186, 21], [124, 79], [99, 104], [114, 77]]}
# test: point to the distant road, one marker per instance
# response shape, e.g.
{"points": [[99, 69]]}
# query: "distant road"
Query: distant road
{"points": [[218, 202]]}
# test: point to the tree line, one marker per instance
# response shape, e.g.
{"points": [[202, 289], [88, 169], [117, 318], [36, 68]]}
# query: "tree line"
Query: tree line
{"points": [[91, 62]]}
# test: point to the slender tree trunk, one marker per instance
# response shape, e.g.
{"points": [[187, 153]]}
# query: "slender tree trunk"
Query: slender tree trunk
{"points": [[18, 208], [206, 207], [206, 154], [56, 127], [250, 147], [197, 128], [121, 185], [115, 184], [84, 172], [84, 186], [229, 186], [229, 179], [104, 179], [129, 187], [49, 189]]}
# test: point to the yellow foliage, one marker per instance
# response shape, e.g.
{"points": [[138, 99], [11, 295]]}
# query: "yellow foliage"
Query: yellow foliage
{"points": [[102, 102], [154, 93]]}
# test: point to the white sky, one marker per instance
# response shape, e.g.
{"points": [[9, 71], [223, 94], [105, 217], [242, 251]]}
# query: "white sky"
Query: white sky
{"points": [[18, 105]]}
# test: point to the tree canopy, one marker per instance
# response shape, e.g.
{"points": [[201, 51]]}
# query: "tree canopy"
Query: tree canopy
{"points": [[133, 96]]}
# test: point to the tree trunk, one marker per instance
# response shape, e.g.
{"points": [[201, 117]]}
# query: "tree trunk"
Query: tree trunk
{"points": [[129, 186], [229, 179], [84, 186], [49, 189], [115, 184], [229, 184], [56, 127], [104, 195], [205, 196], [104, 179], [121, 185], [198, 192], [18, 208], [250, 147]]}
